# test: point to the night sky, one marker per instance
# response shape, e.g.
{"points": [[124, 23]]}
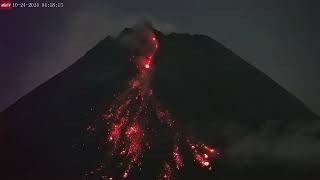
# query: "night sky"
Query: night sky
{"points": [[278, 37]]}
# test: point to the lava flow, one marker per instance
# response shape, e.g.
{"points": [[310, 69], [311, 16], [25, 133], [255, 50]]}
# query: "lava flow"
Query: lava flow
{"points": [[134, 117]]}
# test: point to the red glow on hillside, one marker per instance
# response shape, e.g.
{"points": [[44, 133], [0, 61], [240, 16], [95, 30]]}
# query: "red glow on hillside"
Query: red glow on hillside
{"points": [[128, 123]]}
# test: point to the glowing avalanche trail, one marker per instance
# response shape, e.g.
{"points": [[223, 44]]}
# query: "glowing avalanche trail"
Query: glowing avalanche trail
{"points": [[134, 117]]}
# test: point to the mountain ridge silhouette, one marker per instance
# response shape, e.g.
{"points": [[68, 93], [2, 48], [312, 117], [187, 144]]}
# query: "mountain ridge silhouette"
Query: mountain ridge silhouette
{"points": [[201, 82]]}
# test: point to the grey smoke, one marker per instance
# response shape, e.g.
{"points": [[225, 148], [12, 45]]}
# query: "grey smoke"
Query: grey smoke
{"points": [[299, 143]]}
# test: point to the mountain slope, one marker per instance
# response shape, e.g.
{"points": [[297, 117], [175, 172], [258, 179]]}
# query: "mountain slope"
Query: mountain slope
{"points": [[205, 85]]}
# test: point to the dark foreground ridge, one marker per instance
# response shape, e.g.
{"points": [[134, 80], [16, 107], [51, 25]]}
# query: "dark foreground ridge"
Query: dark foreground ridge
{"points": [[213, 93]]}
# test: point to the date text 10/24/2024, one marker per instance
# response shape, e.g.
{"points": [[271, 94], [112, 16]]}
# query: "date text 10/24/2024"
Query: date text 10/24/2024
{"points": [[12, 5]]}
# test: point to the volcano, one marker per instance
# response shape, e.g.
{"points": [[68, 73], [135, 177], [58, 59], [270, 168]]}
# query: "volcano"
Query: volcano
{"points": [[213, 94]]}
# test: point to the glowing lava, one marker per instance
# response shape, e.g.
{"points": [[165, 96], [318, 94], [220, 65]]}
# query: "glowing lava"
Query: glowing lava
{"points": [[130, 119]]}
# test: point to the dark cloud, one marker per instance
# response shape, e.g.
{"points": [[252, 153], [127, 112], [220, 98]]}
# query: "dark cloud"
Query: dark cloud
{"points": [[300, 144]]}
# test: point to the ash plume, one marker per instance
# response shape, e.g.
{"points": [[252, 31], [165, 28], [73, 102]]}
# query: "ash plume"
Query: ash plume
{"points": [[136, 38]]}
